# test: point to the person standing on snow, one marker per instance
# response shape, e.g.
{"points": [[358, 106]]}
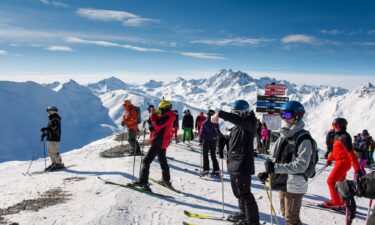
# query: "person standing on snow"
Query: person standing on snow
{"points": [[198, 122], [53, 133], [363, 152], [264, 137], [162, 120], [187, 126], [208, 137], [175, 126], [288, 169], [344, 157], [240, 160], [130, 119]]}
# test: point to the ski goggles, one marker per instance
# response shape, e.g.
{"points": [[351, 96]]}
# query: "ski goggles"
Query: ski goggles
{"points": [[287, 115]]}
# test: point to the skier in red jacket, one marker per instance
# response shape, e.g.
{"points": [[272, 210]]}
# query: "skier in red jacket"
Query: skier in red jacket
{"points": [[344, 157]]}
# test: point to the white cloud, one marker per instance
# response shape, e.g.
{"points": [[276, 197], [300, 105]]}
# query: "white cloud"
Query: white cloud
{"points": [[136, 22], [59, 48], [3, 52], [201, 55], [127, 18], [75, 40], [298, 38], [332, 32], [54, 3], [235, 41]]}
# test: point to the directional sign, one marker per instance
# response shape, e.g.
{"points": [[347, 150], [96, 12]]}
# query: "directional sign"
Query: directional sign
{"points": [[275, 86], [270, 104], [273, 93], [272, 98], [274, 89], [268, 110]]}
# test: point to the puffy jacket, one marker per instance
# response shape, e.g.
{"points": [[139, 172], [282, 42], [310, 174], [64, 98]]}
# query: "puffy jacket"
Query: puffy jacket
{"points": [[53, 129], [209, 131], [188, 121], [130, 118], [343, 152], [199, 120], [363, 148], [241, 152], [163, 124], [264, 134]]}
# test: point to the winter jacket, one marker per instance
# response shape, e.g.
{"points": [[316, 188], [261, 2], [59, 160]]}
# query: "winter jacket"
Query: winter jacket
{"points": [[130, 117], [175, 123], [264, 134], [329, 139], [199, 120], [209, 131], [241, 152], [188, 121], [163, 124], [343, 152], [53, 129], [296, 182], [363, 148]]}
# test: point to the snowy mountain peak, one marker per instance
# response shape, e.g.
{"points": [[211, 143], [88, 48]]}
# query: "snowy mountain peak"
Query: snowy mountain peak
{"points": [[109, 84], [153, 84], [366, 89], [228, 77]]}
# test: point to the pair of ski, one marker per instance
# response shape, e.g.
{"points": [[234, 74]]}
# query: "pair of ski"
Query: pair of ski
{"points": [[208, 217], [143, 190], [319, 206]]}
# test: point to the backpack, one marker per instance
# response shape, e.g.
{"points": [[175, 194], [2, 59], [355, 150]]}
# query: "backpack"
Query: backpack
{"points": [[139, 112], [295, 141]]}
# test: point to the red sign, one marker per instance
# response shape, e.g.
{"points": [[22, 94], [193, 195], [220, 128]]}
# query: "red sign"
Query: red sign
{"points": [[274, 89], [274, 93], [275, 86]]}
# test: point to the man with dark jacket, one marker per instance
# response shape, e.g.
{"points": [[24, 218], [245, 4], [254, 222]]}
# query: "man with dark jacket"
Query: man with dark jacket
{"points": [[208, 136], [329, 142], [240, 160], [53, 133], [162, 121], [187, 126]]}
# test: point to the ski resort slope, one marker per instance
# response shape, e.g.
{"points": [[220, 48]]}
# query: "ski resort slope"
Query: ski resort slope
{"points": [[91, 201]]}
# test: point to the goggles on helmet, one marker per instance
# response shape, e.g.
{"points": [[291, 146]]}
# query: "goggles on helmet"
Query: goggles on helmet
{"points": [[287, 115]]}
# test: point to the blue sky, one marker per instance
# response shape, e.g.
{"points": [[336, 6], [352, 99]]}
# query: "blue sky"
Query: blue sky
{"points": [[321, 42]]}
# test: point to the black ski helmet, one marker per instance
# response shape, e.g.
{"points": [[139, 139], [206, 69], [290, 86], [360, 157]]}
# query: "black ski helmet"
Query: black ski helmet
{"points": [[341, 123], [52, 108]]}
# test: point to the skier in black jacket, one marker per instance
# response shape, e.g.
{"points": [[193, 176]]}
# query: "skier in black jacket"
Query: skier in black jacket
{"points": [[53, 133], [240, 160], [187, 126]]}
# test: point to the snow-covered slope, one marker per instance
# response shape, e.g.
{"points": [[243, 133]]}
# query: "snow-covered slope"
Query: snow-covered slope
{"points": [[91, 202], [23, 113]]}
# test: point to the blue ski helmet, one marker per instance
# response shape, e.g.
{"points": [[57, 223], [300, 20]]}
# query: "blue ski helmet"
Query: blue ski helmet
{"points": [[240, 105], [295, 108]]}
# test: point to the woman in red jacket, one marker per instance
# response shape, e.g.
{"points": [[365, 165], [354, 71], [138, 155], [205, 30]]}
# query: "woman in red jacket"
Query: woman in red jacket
{"points": [[344, 157]]}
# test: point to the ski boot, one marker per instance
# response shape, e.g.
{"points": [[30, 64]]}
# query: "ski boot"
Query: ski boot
{"points": [[204, 174], [236, 217], [216, 174], [145, 186], [55, 166]]}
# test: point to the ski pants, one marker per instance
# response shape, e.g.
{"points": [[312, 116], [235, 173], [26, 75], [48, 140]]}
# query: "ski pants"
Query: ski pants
{"points": [[147, 160], [362, 165], [53, 152], [338, 173], [290, 206], [132, 139], [187, 134], [210, 147], [246, 201]]}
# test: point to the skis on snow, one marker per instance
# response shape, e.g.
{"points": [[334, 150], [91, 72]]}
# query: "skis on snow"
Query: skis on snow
{"points": [[320, 207], [209, 217], [135, 188], [168, 187]]}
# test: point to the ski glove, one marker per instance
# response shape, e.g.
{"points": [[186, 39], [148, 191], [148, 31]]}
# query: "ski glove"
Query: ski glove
{"points": [[263, 177], [328, 163], [270, 166]]}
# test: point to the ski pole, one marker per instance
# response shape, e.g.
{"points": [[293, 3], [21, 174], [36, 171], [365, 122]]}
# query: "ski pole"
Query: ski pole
{"points": [[222, 184], [134, 152], [33, 158], [122, 139], [317, 174], [369, 210], [273, 213], [45, 157], [143, 147], [270, 190]]}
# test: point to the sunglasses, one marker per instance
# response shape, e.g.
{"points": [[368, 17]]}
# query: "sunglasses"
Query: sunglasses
{"points": [[287, 115]]}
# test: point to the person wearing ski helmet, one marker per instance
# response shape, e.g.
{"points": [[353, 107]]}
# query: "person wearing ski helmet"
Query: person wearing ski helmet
{"points": [[162, 121], [363, 151], [240, 161], [130, 119], [344, 157], [53, 133], [288, 169]]}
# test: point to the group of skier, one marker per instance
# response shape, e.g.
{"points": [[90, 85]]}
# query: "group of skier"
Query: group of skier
{"points": [[292, 162]]}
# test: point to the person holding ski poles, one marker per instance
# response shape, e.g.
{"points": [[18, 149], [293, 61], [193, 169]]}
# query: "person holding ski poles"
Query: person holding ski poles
{"points": [[208, 136], [162, 121], [240, 161], [130, 119], [292, 154], [344, 157], [53, 133]]}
